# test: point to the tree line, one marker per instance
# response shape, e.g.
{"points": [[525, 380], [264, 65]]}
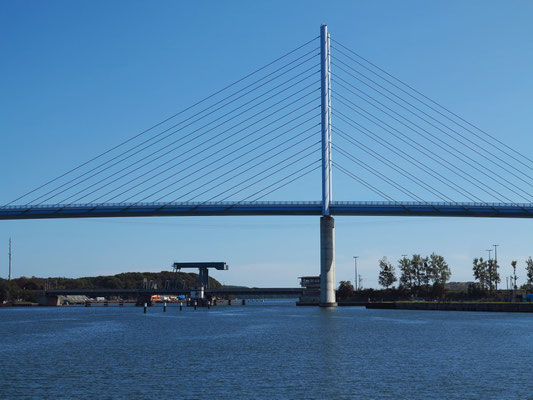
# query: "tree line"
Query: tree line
{"points": [[427, 276], [488, 277], [418, 275], [26, 289]]}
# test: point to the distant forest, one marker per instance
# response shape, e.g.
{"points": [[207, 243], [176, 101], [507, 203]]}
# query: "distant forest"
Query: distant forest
{"points": [[24, 288]]}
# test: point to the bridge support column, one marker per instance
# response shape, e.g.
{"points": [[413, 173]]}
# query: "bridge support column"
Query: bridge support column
{"points": [[144, 298], [327, 262], [48, 300]]}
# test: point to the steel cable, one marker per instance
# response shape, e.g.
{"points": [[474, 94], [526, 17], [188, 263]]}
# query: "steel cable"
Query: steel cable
{"points": [[437, 104], [164, 121], [501, 165]]}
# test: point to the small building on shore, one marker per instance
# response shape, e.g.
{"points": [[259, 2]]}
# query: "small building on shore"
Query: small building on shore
{"points": [[311, 292]]}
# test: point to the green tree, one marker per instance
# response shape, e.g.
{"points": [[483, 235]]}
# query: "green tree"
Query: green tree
{"points": [[417, 270], [428, 273], [345, 290], [439, 267], [493, 275], [4, 290], [481, 272], [406, 277], [529, 270], [387, 273]]}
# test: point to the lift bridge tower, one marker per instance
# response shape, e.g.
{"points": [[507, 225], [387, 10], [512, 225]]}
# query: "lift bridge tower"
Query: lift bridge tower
{"points": [[203, 270], [327, 223]]}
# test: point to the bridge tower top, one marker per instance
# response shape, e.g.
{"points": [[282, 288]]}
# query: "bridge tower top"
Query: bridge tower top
{"points": [[325, 96]]}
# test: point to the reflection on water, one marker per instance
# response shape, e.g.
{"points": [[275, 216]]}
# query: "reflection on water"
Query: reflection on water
{"points": [[269, 350]]}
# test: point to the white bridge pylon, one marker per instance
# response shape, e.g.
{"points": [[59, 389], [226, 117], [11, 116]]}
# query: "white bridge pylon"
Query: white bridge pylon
{"points": [[327, 223]]}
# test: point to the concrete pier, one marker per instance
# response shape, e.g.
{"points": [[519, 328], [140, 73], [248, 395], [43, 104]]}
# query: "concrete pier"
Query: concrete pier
{"points": [[327, 262], [48, 300]]}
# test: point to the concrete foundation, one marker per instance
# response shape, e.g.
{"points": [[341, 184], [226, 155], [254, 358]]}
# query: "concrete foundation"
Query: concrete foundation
{"points": [[45, 300], [142, 299], [327, 262]]}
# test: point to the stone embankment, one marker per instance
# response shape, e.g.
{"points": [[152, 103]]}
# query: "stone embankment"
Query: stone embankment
{"points": [[453, 306]]}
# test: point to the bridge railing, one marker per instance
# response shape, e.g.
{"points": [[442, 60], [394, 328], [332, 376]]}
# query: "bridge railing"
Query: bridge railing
{"points": [[435, 204], [265, 203], [162, 204]]}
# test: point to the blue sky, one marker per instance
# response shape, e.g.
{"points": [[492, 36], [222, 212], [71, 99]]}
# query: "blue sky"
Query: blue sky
{"points": [[77, 78]]}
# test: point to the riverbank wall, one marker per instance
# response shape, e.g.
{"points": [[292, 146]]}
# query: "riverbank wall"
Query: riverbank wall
{"points": [[454, 306]]}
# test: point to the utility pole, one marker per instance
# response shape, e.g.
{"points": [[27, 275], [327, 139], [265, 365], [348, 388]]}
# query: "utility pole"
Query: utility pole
{"points": [[9, 253], [490, 269], [496, 261], [355, 268]]}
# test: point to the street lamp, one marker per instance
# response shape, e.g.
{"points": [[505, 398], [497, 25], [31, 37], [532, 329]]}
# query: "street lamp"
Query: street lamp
{"points": [[489, 250], [496, 261], [355, 267]]}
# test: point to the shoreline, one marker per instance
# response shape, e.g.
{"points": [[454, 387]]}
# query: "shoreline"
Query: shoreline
{"points": [[520, 307]]}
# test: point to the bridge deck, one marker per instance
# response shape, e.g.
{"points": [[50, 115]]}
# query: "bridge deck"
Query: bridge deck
{"points": [[237, 291], [501, 210]]}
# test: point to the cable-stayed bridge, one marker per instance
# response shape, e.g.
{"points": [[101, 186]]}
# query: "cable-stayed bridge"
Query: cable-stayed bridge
{"points": [[269, 135], [376, 208]]}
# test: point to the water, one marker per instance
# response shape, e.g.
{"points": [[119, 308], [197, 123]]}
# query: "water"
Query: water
{"points": [[271, 350]]}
